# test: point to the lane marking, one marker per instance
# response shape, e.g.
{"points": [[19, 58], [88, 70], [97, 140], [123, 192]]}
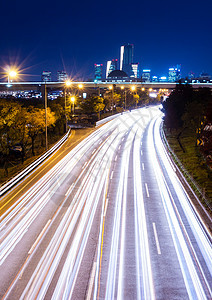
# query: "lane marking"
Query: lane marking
{"points": [[39, 237], [91, 282], [105, 210], [84, 165], [119, 147], [111, 176], [147, 191], [122, 139], [156, 238], [69, 189], [143, 166], [93, 151], [116, 158], [141, 152]]}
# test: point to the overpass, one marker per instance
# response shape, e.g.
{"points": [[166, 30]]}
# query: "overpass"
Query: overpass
{"points": [[24, 86]]}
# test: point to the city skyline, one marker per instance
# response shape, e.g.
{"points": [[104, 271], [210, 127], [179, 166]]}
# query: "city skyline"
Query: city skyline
{"points": [[49, 37]]}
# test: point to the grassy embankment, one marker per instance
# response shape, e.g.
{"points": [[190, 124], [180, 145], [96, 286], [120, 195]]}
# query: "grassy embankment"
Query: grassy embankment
{"points": [[193, 162]]}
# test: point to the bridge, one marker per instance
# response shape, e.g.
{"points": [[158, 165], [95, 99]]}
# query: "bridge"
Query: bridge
{"points": [[24, 86]]}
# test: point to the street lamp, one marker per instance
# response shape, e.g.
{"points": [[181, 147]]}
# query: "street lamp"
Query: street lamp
{"points": [[125, 97], [11, 74], [111, 88], [73, 101], [67, 85], [133, 89]]}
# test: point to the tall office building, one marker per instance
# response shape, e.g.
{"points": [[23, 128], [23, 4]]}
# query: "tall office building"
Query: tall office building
{"points": [[46, 76], [112, 65], [135, 70], [174, 74], [126, 59], [98, 72], [62, 76], [146, 75]]}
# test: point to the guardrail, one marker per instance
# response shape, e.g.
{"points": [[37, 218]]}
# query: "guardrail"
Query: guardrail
{"points": [[11, 182], [8, 185], [105, 120]]}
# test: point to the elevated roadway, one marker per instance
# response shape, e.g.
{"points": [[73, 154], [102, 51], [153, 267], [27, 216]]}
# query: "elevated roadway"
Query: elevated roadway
{"points": [[14, 86]]}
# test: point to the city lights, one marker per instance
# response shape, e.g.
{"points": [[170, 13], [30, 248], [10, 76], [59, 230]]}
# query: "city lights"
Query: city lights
{"points": [[68, 83]]}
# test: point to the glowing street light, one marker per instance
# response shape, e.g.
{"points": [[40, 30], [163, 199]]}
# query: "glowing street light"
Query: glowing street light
{"points": [[11, 74], [80, 86], [133, 89], [68, 83], [111, 88], [73, 101]]}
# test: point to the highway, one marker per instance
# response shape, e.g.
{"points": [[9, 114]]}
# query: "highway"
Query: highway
{"points": [[109, 220]]}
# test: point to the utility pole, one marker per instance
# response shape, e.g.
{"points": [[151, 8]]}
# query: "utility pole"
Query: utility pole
{"points": [[65, 111], [125, 102], [45, 101]]}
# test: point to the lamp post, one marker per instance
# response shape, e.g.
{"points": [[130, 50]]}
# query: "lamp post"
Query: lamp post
{"points": [[67, 84], [73, 101], [111, 88], [133, 88], [125, 97], [45, 103], [80, 87], [11, 74]]}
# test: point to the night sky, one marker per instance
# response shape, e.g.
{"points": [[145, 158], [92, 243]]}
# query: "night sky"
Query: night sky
{"points": [[73, 35]]}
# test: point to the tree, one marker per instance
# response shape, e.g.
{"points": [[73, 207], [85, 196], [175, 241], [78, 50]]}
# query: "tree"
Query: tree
{"points": [[8, 117], [174, 106], [36, 122], [92, 105]]}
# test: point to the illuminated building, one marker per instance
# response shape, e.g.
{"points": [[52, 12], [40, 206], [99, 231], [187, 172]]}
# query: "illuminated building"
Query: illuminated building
{"points": [[174, 74], [146, 75], [135, 70], [98, 72], [46, 76], [116, 76], [204, 77], [154, 78], [126, 59], [112, 65], [62, 76], [163, 79]]}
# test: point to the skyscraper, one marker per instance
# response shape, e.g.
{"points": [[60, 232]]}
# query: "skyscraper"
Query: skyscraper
{"points": [[135, 70], [146, 75], [98, 72], [61, 76], [126, 58], [174, 74], [46, 76], [112, 65]]}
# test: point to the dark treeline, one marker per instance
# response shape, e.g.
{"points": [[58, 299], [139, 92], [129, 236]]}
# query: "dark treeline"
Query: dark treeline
{"points": [[187, 109]]}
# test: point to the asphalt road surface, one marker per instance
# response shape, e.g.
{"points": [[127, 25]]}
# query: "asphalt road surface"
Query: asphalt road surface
{"points": [[108, 219]]}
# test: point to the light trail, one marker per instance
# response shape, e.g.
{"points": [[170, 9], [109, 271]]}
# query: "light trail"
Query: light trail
{"points": [[104, 183], [196, 284]]}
